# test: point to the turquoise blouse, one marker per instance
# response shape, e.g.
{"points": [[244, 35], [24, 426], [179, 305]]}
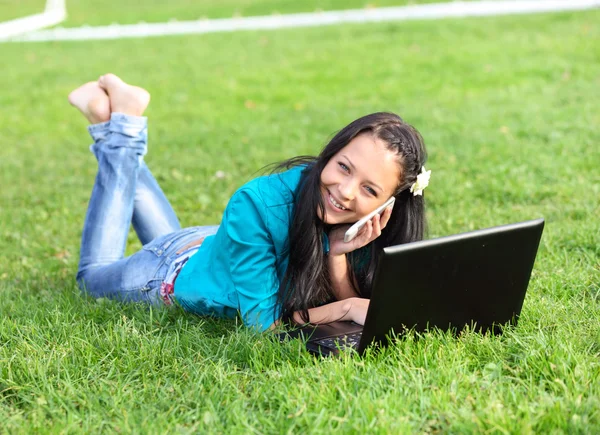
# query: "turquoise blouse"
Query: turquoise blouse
{"points": [[239, 269]]}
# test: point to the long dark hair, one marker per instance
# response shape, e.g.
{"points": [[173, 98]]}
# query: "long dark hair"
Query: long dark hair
{"points": [[307, 283]]}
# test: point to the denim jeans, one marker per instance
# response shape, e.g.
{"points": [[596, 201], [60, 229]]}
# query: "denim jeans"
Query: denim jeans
{"points": [[125, 193]]}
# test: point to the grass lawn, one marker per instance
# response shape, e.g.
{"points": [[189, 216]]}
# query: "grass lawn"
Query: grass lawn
{"points": [[508, 108], [159, 11], [102, 12], [10, 9]]}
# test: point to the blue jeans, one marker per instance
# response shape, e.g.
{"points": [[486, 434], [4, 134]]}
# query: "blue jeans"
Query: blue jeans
{"points": [[125, 193]]}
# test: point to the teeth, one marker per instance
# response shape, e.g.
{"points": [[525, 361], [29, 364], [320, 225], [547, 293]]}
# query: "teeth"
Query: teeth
{"points": [[336, 204]]}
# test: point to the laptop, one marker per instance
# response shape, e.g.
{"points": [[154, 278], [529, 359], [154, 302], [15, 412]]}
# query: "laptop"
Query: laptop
{"points": [[476, 279]]}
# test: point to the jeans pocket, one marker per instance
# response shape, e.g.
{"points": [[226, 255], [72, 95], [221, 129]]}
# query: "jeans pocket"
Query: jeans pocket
{"points": [[163, 245], [150, 293]]}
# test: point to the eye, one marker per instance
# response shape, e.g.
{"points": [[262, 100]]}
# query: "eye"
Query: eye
{"points": [[344, 167], [371, 190]]}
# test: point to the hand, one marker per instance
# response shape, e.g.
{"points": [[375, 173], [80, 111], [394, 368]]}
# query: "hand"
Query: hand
{"points": [[366, 235]]}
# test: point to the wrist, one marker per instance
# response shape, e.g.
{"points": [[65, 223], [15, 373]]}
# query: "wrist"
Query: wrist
{"points": [[348, 309], [333, 258], [358, 311]]}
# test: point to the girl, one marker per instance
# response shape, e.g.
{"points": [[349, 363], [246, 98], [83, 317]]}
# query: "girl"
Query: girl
{"points": [[279, 252]]}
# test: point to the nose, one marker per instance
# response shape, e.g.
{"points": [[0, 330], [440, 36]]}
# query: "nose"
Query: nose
{"points": [[347, 190]]}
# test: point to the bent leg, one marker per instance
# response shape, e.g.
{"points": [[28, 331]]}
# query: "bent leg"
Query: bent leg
{"points": [[111, 204], [138, 278], [153, 215], [132, 279]]}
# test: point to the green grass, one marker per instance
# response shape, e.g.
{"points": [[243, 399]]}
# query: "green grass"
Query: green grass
{"points": [[80, 11], [103, 12], [156, 10], [508, 110], [10, 9]]}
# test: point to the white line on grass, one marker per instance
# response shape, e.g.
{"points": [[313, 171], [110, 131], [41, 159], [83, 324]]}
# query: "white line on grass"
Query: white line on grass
{"points": [[54, 13], [428, 11]]}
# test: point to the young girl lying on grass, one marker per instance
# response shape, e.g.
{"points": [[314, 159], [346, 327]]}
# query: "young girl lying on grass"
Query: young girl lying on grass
{"points": [[279, 252]]}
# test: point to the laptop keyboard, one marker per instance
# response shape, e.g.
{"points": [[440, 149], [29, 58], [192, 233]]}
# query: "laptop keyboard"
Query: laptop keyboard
{"points": [[341, 341]]}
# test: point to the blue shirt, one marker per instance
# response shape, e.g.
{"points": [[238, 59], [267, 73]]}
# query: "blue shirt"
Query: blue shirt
{"points": [[240, 268]]}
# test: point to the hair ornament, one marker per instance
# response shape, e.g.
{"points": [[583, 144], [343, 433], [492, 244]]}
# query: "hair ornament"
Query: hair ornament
{"points": [[421, 183]]}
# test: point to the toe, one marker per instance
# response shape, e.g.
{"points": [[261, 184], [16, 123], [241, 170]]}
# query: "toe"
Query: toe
{"points": [[111, 79], [111, 83]]}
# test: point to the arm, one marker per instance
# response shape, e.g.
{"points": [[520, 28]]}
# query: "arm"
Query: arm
{"points": [[340, 278], [351, 309], [252, 260], [348, 306]]}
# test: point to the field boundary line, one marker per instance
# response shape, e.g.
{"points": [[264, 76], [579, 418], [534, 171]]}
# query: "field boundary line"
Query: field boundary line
{"points": [[55, 12], [454, 9]]}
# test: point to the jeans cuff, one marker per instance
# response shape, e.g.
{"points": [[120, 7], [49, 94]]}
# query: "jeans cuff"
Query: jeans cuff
{"points": [[128, 125], [99, 131]]}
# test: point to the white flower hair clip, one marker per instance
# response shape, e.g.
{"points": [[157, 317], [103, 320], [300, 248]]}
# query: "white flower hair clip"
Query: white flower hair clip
{"points": [[421, 183]]}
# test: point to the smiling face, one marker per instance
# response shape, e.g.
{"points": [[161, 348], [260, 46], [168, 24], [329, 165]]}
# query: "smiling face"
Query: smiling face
{"points": [[358, 179]]}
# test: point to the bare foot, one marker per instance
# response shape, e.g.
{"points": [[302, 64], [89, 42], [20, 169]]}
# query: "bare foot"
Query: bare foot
{"points": [[92, 101], [124, 98]]}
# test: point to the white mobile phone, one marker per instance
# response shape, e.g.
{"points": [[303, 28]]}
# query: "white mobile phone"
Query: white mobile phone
{"points": [[354, 229]]}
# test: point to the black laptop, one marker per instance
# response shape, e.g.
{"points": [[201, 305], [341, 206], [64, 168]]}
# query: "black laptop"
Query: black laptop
{"points": [[476, 279]]}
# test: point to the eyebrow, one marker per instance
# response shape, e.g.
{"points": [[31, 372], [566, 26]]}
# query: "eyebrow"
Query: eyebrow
{"points": [[368, 181]]}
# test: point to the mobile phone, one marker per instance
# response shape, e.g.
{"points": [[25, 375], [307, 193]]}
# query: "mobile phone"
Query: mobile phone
{"points": [[354, 229]]}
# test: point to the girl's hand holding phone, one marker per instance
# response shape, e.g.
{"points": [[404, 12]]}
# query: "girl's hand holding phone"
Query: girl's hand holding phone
{"points": [[369, 232]]}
